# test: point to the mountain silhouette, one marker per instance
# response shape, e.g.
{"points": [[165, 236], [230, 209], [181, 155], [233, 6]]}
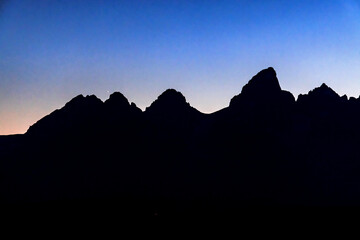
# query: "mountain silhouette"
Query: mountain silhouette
{"points": [[262, 89], [117, 101], [264, 149], [323, 95], [173, 114], [170, 101], [78, 114]]}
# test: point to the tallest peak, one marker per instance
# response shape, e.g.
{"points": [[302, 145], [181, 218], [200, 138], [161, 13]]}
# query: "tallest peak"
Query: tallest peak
{"points": [[264, 82], [262, 88], [269, 70]]}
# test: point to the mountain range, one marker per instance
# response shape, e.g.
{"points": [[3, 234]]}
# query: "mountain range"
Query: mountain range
{"points": [[264, 149]]}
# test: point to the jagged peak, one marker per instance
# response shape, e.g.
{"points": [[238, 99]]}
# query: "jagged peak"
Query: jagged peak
{"points": [[170, 98], [93, 97], [75, 101], [173, 95], [80, 99], [118, 99], [169, 101], [323, 91], [264, 87], [117, 95], [322, 94], [324, 86], [264, 82]]}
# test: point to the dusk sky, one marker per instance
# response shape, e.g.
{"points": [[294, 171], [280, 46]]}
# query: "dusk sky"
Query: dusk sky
{"points": [[53, 50]]}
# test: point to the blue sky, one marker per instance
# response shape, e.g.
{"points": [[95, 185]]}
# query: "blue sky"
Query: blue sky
{"points": [[53, 50]]}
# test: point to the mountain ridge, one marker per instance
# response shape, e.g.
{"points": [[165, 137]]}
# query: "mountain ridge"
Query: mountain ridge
{"points": [[264, 149], [264, 87]]}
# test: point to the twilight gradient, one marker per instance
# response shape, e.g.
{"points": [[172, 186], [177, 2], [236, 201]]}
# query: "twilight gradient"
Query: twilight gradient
{"points": [[53, 50]]}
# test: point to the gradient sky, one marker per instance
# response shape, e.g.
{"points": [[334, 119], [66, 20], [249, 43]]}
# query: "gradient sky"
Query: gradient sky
{"points": [[53, 50]]}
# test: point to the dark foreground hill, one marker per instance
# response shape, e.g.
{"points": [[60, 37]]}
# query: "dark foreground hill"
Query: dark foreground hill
{"points": [[265, 149]]}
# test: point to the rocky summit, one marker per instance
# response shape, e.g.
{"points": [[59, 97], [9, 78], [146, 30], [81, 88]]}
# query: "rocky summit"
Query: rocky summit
{"points": [[262, 84], [263, 88]]}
